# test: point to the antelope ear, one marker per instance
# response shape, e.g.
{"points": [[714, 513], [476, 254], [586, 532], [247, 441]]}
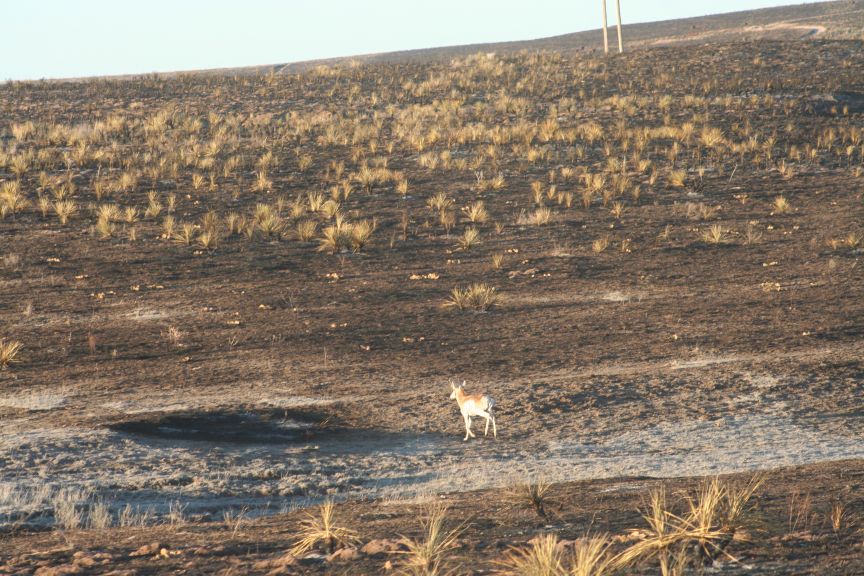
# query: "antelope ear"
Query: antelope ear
{"points": [[462, 385], [452, 385]]}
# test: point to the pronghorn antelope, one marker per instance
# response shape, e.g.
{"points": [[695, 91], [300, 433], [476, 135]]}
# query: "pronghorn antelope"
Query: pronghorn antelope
{"points": [[472, 405]]}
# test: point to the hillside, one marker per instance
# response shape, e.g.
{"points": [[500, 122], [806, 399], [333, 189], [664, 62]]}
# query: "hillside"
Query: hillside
{"points": [[227, 298]]}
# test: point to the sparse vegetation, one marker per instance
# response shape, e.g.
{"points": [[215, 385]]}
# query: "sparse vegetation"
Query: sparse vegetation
{"points": [[262, 264]]}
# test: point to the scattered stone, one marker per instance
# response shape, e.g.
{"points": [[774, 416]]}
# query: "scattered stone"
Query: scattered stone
{"points": [[146, 550], [83, 559], [383, 547], [285, 560], [103, 557], [344, 555], [60, 570], [313, 558]]}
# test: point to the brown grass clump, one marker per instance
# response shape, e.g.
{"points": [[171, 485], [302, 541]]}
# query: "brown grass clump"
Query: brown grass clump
{"points": [[322, 529]]}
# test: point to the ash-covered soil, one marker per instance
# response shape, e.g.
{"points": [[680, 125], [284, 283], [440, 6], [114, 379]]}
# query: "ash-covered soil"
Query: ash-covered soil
{"points": [[692, 306]]}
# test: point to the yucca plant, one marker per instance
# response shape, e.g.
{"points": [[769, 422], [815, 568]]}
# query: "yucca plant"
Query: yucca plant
{"points": [[330, 208], [306, 230], [361, 232], [478, 296], [130, 215], [316, 200], [476, 212], [9, 350], [676, 178], [186, 234], [154, 206], [12, 200], [429, 556], [497, 260], [533, 494], [439, 201], [65, 209], [262, 182], [104, 228], [592, 557], [713, 519], [208, 239], [541, 216], [715, 235], [109, 212], [543, 558], [600, 244], [336, 238], [168, 224], [469, 238], [322, 529]]}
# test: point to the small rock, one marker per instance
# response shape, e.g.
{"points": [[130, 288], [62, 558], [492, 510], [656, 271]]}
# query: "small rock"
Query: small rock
{"points": [[344, 555], [313, 558], [84, 561], [146, 550], [382, 547], [60, 570], [285, 560]]}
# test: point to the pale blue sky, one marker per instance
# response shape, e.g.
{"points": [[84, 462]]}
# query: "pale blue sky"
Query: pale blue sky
{"points": [[68, 38]]}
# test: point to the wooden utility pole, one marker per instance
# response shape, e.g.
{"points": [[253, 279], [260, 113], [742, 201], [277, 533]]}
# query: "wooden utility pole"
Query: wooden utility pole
{"points": [[618, 10], [605, 31]]}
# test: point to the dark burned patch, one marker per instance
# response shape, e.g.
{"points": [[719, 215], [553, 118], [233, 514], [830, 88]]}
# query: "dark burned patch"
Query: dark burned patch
{"points": [[239, 427]]}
